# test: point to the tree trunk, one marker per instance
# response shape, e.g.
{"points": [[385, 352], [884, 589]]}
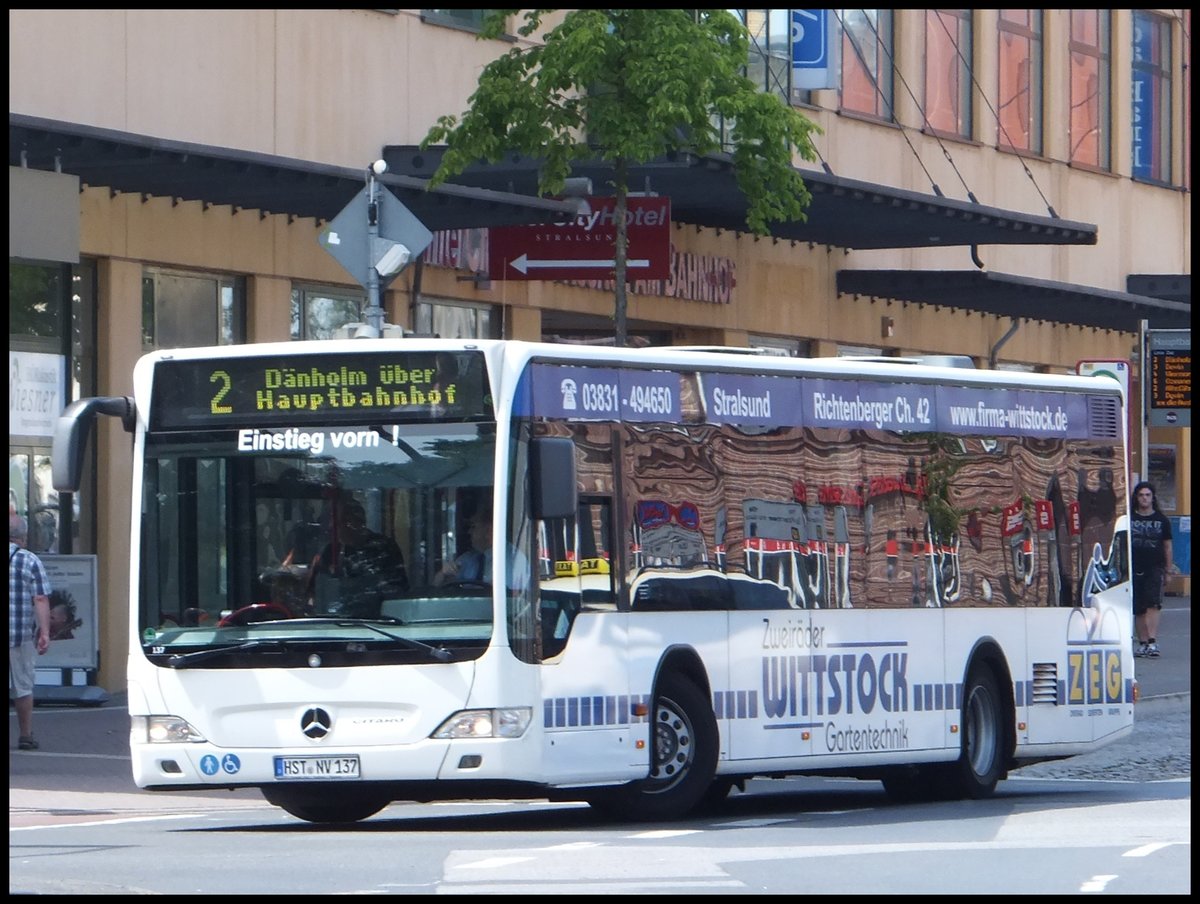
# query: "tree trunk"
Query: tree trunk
{"points": [[620, 252]]}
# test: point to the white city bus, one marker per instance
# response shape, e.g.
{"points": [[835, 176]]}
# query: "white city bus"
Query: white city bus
{"points": [[705, 567]]}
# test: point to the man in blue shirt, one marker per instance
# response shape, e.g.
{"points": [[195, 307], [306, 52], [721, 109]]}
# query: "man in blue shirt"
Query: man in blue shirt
{"points": [[28, 625], [475, 565]]}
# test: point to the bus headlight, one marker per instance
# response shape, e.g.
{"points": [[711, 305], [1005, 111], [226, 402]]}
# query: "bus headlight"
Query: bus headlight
{"points": [[486, 723], [162, 730]]}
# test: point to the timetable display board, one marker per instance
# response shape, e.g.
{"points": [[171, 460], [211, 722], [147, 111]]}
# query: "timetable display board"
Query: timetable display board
{"points": [[1169, 378]]}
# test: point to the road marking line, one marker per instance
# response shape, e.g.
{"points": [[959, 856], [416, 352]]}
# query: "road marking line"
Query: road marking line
{"points": [[1096, 883], [494, 862], [665, 833], [1147, 849]]}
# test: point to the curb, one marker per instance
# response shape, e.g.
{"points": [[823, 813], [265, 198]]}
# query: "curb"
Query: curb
{"points": [[1164, 703]]}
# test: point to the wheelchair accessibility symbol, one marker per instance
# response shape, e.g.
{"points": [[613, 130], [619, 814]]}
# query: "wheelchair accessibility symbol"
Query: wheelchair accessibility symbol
{"points": [[209, 764]]}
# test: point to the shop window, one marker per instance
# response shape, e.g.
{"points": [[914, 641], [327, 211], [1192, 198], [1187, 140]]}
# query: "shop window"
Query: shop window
{"points": [[182, 310], [784, 348], [867, 83], [1020, 79], [318, 313], [948, 50], [1151, 89], [457, 321], [1090, 86], [32, 496]]}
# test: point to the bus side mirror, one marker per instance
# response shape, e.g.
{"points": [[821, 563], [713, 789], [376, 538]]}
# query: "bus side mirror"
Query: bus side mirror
{"points": [[71, 435], [552, 469]]}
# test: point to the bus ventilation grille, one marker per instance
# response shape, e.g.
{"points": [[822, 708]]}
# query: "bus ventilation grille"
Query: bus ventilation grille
{"points": [[1045, 682], [1104, 417]]}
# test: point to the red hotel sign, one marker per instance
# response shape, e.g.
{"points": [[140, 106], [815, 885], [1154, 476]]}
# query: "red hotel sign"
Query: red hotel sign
{"points": [[584, 248]]}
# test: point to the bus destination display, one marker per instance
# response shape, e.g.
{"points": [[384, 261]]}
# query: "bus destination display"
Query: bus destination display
{"points": [[379, 387]]}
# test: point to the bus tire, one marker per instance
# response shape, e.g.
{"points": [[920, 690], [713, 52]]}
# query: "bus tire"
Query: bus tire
{"points": [[981, 763], [325, 804], [683, 741]]}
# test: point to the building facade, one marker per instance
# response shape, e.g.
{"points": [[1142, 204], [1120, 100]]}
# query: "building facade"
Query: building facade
{"points": [[1012, 185]]}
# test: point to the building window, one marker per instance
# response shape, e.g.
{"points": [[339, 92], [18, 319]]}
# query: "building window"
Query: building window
{"points": [[1020, 79], [948, 54], [471, 19], [318, 313], [36, 301], [770, 66], [449, 320], [867, 80], [770, 63], [1151, 87], [1091, 92], [1187, 99], [182, 310]]}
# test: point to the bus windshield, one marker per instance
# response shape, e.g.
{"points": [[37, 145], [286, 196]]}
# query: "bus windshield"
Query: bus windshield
{"points": [[260, 546]]}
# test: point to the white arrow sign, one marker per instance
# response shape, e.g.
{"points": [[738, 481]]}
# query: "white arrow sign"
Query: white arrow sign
{"points": [[523, 265]]}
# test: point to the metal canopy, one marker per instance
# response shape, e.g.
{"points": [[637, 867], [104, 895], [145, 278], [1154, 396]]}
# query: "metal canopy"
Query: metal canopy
{"points": [[1007, 295], [1167, 286], [844, 213], [137, 164]]}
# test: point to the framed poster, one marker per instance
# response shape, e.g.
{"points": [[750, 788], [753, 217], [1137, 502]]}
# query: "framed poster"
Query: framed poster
{"points": [[74, 610], [1161, 472]]}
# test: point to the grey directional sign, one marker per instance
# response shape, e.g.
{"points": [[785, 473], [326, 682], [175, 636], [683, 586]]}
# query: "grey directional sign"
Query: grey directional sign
{"points": [[345, 236]]}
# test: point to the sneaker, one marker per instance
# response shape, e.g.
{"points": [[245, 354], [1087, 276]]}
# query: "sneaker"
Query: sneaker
{"points": [[1152, 650], [27, 742], [1141, 650]]}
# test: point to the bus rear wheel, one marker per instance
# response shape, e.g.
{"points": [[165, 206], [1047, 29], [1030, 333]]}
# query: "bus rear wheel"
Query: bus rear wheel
{"points": [[683, 740], [325, 804], [982, 761]]}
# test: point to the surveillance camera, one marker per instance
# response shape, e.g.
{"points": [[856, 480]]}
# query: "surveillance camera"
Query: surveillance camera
{"points": [[379, 167]]}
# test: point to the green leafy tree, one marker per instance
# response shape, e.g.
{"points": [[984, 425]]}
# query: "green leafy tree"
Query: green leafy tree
{"points": [[626, 86]]}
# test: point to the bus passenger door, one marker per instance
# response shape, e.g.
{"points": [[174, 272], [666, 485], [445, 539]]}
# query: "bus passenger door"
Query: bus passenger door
{"points": [[586, 706]]}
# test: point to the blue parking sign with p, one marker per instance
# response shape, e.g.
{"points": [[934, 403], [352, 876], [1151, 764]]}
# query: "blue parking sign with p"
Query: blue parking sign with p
{"points": [[812, 48]]}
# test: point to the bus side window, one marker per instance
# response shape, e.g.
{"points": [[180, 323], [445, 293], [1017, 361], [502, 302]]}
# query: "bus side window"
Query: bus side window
{"points": [[576, 571], [595, 553]]}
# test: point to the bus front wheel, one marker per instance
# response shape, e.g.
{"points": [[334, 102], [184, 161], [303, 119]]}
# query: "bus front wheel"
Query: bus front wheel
{"points": [[683, 741], [324, 804]]}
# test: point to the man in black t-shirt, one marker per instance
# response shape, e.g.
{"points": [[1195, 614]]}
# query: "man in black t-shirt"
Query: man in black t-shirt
{"points": [[1150, 538]]}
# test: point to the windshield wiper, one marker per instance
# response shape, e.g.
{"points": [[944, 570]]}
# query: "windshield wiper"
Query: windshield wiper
{"points": [[183, 660], [441, 654]]}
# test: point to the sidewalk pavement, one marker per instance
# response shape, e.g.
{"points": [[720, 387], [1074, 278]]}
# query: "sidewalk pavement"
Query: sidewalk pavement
{"points": [[1169, 678]]}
